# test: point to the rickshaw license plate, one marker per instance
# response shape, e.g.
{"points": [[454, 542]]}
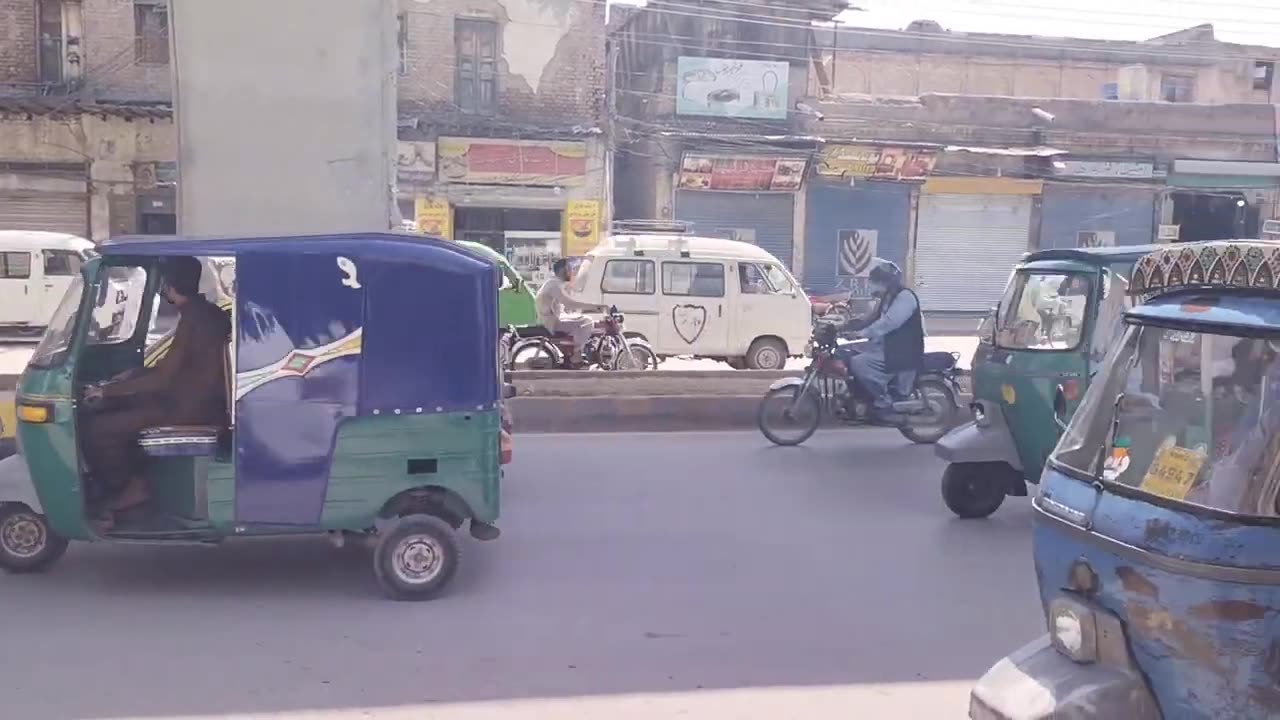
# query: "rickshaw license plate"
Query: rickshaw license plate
{"points": [[1173, 472]]}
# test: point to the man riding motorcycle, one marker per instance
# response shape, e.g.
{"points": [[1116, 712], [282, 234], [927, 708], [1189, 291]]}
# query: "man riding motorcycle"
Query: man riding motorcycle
{"points": [[895, 341]]}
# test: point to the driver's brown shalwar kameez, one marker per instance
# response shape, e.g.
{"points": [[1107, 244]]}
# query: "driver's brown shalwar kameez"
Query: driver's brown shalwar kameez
{"points": [[186, 387]]}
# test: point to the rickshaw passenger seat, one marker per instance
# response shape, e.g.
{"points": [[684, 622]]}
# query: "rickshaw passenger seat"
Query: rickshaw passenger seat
{"points": [[193, 440]]}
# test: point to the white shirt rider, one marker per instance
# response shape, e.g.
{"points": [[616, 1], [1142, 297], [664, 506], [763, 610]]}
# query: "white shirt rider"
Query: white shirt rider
{"points": [[555, 307]]}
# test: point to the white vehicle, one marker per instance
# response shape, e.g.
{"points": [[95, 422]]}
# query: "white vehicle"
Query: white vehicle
{"points": [[698, 296], [35, 270]]}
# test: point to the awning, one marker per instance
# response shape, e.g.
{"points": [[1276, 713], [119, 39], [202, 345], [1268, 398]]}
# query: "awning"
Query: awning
{"points": [[1227, 167]]}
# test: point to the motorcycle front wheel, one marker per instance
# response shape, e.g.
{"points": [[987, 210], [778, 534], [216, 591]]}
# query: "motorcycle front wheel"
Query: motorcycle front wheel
{"points": [[789, 416]]}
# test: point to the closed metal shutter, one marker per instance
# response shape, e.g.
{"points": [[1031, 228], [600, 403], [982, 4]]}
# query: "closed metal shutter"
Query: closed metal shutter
{"points": [[45, 211], [768, 216], [884, 207], [1069, 209], [965, 247]]}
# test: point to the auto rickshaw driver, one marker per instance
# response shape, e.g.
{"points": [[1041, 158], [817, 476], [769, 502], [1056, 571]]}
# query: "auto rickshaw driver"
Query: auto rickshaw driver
{"points": [[187, 387]]}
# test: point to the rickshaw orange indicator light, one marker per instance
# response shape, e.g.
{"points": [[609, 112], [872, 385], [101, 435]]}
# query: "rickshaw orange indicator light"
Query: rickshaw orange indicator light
{"points": [[34, 413]]}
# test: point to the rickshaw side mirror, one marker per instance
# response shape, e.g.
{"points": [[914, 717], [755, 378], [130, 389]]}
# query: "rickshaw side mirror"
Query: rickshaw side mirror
{"points": [[508, 391], [1060, 408]]}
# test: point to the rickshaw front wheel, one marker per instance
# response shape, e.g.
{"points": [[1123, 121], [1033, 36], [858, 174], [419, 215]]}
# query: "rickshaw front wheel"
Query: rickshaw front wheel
{"points": [[27, 543], [416, 558], [974, 490]]}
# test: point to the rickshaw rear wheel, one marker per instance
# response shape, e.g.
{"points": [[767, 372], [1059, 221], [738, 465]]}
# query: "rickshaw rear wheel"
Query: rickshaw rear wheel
{"points": [[27, 543], [974, 490], [416, 558]]}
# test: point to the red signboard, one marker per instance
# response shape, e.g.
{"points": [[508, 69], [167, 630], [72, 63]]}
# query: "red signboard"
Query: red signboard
{"points": [[747, 173], [511, 162]]}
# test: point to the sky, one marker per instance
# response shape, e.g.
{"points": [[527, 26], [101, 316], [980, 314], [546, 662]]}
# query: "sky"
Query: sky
{"points": [[1249, 22]]}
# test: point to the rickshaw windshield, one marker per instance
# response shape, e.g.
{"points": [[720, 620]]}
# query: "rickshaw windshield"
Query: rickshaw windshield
{"points": [[1044, 310], [52, 349], [1184, 415]]}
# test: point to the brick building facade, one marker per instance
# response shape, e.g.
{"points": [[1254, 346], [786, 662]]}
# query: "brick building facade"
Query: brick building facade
{"points": [[504, 124]]}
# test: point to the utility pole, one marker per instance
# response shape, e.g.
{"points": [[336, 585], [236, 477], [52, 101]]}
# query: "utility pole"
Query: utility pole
{"points": [[285, 114]]}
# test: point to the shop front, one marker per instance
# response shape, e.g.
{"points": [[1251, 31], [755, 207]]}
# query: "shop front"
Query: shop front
{"points": [[750, 198], [45, 196], [1215, 199], [970, 232], [858, 207], [533, 201], [1099, 203]]}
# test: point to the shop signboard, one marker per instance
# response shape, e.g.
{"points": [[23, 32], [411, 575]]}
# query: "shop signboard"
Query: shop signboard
{"points": [[1105, 169], [749, 173], [491, 161], [581, 226], [720, 87], [857, 248], [869, 161], [433, 216]]}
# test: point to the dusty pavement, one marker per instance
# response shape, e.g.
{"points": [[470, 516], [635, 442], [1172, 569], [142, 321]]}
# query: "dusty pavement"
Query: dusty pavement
{"points": [[638, 576]]}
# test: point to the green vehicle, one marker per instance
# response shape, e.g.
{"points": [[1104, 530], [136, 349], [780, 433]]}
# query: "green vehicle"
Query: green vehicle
{"points": [[515, 297], [1054, 326], [346, 416]]}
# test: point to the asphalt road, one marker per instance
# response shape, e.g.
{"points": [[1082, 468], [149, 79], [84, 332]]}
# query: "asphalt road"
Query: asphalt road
{"points": [[638, 576]]}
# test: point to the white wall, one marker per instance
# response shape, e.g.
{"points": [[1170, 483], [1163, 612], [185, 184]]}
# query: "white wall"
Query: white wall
{"points": [[285, 115]]}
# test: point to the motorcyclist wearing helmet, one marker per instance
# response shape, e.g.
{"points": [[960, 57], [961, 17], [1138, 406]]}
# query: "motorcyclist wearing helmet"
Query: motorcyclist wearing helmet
{"points": [[895, 334]]}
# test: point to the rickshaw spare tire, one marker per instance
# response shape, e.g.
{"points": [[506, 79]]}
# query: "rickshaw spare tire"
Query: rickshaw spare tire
{"points": [[974, 490], [27, 543], [416, 558]]}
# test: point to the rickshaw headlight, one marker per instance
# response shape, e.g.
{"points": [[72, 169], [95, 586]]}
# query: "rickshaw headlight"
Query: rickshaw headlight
{"points": [[1073, 628]]}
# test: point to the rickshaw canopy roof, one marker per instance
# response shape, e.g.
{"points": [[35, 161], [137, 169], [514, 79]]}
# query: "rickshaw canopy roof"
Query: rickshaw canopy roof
{"points": [[418, 315], [1093, 256], [1219, 265], [1240, 310]]}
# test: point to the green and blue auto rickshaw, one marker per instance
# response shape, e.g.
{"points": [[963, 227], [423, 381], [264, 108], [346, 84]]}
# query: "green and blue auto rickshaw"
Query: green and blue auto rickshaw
{"points": [[1053, 326], [1157, 524], [364, 396]]}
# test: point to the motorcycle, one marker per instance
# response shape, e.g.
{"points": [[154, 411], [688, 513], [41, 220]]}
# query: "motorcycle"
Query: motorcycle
{"points": [[533, 347], [923, 415]]}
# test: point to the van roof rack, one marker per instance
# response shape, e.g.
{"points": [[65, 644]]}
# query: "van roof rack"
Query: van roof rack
{"points": [[676, 227]]}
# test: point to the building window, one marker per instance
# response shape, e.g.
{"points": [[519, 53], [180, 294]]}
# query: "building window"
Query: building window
{"points": [[1177, 88], [151, 32], [52, 49], [476, 88], [1264, 73], [402, 41]]}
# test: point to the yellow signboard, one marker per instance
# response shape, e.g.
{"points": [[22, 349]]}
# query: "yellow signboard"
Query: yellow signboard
{"points": [[433, 216], [1173, 472], [581, 231], [8, 420]]}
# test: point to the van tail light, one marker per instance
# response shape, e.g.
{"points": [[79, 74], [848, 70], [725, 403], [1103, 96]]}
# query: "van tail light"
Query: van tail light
{"points": [[1071, 390], [505, 447]]}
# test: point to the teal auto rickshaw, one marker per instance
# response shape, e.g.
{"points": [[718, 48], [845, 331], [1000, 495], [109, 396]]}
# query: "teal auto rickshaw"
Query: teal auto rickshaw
{"points": [[1157, 524], [1054, 324], [363, 393]]}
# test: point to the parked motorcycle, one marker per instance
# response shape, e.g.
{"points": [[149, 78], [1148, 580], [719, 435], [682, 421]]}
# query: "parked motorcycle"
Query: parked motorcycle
{"points": [[536, 348], [826, 390]]}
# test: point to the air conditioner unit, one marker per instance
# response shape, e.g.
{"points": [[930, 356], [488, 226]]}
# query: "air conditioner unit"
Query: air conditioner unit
{"points": [[1168, 233], [1271, 227]]}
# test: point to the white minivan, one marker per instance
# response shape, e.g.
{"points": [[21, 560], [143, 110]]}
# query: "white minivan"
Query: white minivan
{"points": [[699, 296], [35, 270]]}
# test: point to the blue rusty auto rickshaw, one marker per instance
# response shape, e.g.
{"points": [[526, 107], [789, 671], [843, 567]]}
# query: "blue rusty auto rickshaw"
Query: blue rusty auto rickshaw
{"points": [[1157, 524], [364, 401]]}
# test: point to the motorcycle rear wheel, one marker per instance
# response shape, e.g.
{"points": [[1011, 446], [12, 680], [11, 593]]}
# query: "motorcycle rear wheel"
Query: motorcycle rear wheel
{"points": [[534, 355], [806, 410], [942, 401]]}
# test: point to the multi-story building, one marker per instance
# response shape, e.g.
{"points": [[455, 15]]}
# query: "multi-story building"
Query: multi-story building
{"points": [[502, 119], [1022, 142], [709, 100], [504, 124]]}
